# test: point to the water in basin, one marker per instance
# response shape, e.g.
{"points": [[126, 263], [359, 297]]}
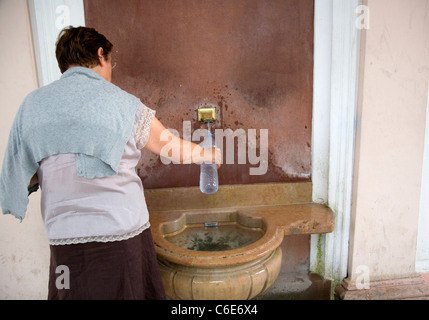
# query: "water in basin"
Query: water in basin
{"points": [[219, 238]]}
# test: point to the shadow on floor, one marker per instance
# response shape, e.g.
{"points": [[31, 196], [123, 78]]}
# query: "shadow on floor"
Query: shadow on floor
{"points": [[299, 287], [295, 282]]}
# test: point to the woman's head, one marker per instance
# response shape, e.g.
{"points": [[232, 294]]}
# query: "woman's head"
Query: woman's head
{"points": [[79, 46]]}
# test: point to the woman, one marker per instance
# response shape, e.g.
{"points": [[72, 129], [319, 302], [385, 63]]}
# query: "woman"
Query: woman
{"points": [[80, 139]]}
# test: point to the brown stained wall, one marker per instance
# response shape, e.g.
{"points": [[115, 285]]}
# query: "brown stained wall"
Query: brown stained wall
{"points": [[252, 59]]}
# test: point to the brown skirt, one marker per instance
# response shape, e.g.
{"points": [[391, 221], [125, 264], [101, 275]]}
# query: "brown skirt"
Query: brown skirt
{"points": [[106, 271]]}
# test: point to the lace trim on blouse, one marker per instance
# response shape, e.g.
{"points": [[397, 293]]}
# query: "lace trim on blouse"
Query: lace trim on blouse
{"points": [[142, 136], [126, 236], [143, 127]]}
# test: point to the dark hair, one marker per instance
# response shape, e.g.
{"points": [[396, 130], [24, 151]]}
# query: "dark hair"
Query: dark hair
{"points": [[79, 46]]}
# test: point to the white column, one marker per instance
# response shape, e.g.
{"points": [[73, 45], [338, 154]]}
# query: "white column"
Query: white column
{"points": [[48, 17], [422, 256], [335, 89], [321, 98]]}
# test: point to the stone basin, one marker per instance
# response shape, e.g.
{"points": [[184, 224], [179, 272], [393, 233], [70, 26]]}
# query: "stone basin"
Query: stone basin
{"points": [[227, 246], [228, 231], [245, 255]]}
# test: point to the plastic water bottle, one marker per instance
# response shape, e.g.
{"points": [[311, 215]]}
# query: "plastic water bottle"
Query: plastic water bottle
{"points": [[208, 171]]}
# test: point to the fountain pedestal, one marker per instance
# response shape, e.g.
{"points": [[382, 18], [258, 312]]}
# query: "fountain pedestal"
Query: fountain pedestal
{"points": [[241, 282]]}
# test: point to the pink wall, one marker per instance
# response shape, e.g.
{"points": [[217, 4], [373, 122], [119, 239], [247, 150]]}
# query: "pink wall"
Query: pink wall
{"points": [[252, 60], [390, 138]]}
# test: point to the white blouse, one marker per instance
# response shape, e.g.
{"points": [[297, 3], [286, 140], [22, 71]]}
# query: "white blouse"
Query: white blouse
{"points": [[79, 210]]}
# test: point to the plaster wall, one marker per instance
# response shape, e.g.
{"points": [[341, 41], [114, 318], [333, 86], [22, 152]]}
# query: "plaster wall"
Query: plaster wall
{"points": [[24, 250], [391, 115]]}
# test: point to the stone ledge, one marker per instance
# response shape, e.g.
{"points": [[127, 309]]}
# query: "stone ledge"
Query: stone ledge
{"points": [[247, 195], [414, 288]]}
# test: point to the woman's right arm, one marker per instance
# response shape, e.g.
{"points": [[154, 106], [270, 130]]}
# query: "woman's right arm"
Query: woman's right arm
{"points": [[190, 152]]}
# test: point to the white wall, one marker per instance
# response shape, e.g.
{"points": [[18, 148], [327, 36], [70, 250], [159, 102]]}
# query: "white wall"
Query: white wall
{"points": [[422, 258], [48, 18], [24, 250]]}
